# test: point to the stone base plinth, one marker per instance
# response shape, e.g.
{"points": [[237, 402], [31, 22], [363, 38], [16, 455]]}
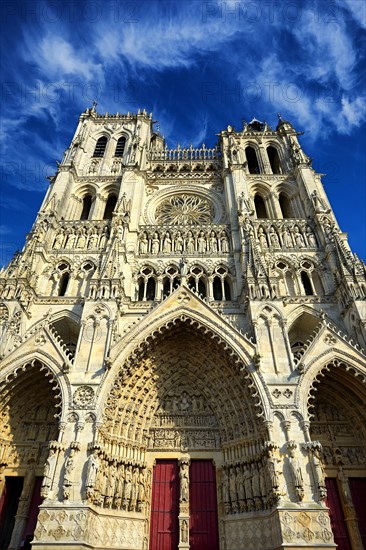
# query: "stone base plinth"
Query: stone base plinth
{"points": [[83, 526], [279, 529]]}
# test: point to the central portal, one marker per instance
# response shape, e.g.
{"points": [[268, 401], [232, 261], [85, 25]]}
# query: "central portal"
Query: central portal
{"points": [[168, 530]]}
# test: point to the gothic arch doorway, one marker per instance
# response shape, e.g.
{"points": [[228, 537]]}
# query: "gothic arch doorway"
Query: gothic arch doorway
{"points": [[339, 423], [29, 406], [183, 397]]}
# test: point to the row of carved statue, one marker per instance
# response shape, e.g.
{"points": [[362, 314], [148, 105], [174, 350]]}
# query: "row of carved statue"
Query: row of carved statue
{"points": [[115, 483], [251, 485], [255, 484], [185, 241], [81, 237], [292, 236]]}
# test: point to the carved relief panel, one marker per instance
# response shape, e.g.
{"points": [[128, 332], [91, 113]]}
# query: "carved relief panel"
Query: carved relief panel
{"points": [[184, 421]]}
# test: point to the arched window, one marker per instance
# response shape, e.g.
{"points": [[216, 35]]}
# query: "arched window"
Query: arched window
{"points": [[227, 290], [217, 288], [201, 288], [252, 160], [87, 202], [285, 205], [274, 160], [150, 289], [260, 207], [171, 281], [196, 280], [318, 286], [109, 207], [306, 283], [120, 147], [100, 147], [146, 284], [141, 289], [220, 286], [63, 284], [290, 284]]}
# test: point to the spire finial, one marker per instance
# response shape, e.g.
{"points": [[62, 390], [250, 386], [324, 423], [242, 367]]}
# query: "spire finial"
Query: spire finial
{"points": [[95, 103]]}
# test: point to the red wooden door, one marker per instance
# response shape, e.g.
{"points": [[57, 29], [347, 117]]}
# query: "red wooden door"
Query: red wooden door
{"points": [[203, 527], [358, 492], [338, 524], [164, 529]]}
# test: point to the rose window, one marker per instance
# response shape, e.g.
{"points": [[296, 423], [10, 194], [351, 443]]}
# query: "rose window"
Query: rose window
{"points": [[184, 210]]}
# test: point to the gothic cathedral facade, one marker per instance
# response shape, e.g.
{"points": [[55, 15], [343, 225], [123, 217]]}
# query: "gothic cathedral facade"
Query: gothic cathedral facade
{"points": [[182, 358]]}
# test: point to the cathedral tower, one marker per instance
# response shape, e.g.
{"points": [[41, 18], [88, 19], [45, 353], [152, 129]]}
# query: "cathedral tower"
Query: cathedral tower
{"points": [[182, 350]]}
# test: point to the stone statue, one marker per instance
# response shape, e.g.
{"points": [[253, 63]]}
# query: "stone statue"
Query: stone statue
{"points": [[272, 470], [68, 475], [232, 489], [190, 243], [48, 472], [262, 238], [299, 239], [318, 474], [346, 493], [244, 205], [224, 243], [184, 486], [184, 531], [167, 244], [141, 492], [82, 239], [202, 246], [128, 488], [143, 245], [91, 473], [155, 244], [286, 238], [311, 237], [183, 267], [178, 245], [225, 489], [59, 240], [318, 202], [296, 474], [274, 237], [212, 242]]}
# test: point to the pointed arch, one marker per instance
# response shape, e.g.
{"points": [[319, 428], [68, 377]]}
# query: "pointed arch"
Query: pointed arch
{"points": [[184, 367], [190, 309]]}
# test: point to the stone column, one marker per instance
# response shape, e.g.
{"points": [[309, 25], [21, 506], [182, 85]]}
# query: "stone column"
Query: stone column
{"points": [[23, 510], [184, 503], [350, 516]]}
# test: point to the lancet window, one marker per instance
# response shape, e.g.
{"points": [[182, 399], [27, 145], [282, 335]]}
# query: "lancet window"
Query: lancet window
{"points": [[63, 284], [100, 147], [274, 160], [146, 284], [260, 206], [120, 147], [87, 203], [197, 280], [252, 160], [109, 207], [285, 205], [221, 285], [171, 280]]}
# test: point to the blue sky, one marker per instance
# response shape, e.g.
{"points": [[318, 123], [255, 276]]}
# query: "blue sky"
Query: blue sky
{"points": [[198, 66]]}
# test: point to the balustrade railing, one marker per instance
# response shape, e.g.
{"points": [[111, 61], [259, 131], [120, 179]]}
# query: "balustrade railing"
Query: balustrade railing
{"points": [[186, 154], [189, 240]]}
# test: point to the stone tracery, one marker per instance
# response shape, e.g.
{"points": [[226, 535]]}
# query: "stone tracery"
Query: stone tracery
{"points": [[184, 209]]}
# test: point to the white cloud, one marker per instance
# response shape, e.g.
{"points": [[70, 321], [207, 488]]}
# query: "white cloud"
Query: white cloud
{"points": [[357, 9]]}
